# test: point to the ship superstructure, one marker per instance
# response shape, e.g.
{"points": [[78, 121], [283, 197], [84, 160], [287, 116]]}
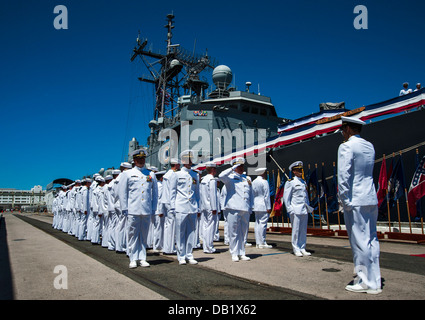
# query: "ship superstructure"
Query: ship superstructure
{"points": [[188, 114]]}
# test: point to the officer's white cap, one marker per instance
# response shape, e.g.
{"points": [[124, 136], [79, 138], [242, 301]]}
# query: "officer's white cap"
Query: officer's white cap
{"points": [[352, 120], [186, 154], [139, 153], [237, 161], [296, 164]]}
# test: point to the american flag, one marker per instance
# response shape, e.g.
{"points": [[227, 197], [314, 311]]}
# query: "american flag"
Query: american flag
{"points": [[417, 187]]}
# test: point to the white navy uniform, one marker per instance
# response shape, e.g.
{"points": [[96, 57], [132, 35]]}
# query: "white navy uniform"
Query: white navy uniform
{"points": [[295, 197], [238, 206], [138, 193], [186, 207], [208, 203], [169, 189], [158, 227], [261, 208], [223, 195], [357, 194], [85, 208], [97, 214], [120, 229]]}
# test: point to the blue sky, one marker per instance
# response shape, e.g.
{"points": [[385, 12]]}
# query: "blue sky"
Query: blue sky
{"points": [[70, 100]]}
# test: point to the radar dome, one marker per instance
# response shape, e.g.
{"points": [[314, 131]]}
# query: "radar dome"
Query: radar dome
{"points": [[222, 76]]}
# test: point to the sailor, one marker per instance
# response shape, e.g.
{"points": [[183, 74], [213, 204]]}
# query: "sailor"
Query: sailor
{"points": [[405, 89], [78, 186], [91, 214], [98, 210], [67, 210], [209, 206], [418, 87], [223, 195], [262, 207], [159, 218], [186, 207], [238, 205], [85, 208], [120, 229], [113, 217], [138, 193], [77, 205], [295, 197], [108, 207], [61, 207], [357, 194], [169, 193]]}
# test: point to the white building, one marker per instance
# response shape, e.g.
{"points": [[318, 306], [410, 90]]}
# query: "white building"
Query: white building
{"points": [[20, 199]]}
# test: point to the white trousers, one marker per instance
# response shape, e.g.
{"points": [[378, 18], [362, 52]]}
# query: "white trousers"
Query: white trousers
{"points": [[96, 228], [112, 224], [299, 231], [208, 230], [360, 222], [169, 232], [105, 230], [121, 231], [138, 228], [237, 222], [158, 232], [260, 227], [185, 234], [82, 228]]}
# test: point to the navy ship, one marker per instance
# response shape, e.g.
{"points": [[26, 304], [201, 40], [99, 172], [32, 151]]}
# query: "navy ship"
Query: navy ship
{"points": [[221, 122]]}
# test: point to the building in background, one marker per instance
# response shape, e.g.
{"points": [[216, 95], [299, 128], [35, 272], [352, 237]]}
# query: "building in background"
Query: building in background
{"points": [[23, 200]]}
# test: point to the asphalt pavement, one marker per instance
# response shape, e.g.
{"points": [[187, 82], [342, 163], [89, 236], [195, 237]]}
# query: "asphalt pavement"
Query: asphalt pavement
{"points": [[38, 262]]}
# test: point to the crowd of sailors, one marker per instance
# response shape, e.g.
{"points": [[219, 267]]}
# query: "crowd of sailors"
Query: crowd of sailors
{"points": [[135, 208]]}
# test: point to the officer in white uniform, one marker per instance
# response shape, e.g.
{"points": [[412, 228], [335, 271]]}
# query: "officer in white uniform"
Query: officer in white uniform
{"points": [[120, 229], [159, 218], [108, 208], [186, 207], [295, 197], [357, 194], [138, 193], [238, 205], [209, 205], [169, 189], [262, 207]]}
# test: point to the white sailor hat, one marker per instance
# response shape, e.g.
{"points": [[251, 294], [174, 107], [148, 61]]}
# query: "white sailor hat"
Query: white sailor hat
{"points": [[352, 120], [116, 171], [260, 170], [160, 172], [210, 164], [88, 180], [237, 161], [152, 168], [296, 165], [78, 181], [174, 161], [139, 153], [126, 165], [108, 177], [99, 178]]}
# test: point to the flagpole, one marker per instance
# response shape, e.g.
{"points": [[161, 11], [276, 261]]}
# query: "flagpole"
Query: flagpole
{"points": [[388, 204], [326, 201], [308, 191], [408, 211], [318, 202]]}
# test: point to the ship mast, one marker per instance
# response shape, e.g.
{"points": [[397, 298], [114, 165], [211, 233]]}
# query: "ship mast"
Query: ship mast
{"points": [[173, 74]]}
